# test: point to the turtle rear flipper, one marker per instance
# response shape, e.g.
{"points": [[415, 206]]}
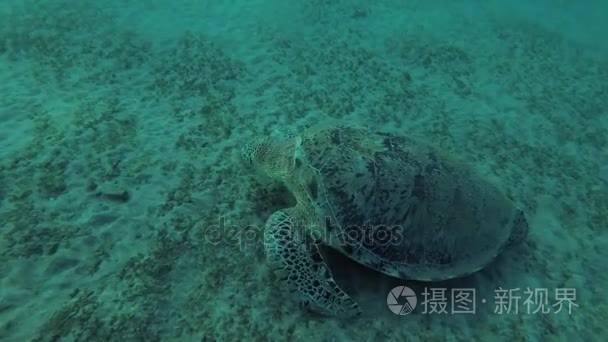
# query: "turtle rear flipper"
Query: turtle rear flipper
{"points": [[296, 260]]}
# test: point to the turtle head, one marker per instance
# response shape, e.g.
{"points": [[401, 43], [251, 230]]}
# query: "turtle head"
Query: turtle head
{"points": [[271, 155]]}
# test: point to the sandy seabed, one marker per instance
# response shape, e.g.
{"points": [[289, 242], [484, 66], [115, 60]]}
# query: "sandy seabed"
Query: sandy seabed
{"points": [[121, 122]]}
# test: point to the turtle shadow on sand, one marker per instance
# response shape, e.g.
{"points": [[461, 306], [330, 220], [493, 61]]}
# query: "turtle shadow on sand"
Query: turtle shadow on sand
{"points": [[371, 288]]}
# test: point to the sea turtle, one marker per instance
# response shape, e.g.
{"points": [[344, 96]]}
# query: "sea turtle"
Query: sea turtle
{"points": [[386, 201]]}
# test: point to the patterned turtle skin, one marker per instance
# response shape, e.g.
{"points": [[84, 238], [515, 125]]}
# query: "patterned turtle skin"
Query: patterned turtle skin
{"points": [[389, 202]]}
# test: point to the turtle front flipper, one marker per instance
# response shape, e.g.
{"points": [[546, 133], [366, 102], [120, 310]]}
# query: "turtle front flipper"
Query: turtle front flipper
{"points": [[296, 260]]}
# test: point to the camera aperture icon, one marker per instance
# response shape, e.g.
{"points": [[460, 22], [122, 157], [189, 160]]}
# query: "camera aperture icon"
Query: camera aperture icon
{"points": [[401, 300]]}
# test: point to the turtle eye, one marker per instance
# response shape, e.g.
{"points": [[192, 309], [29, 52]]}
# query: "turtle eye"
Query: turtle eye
{"points": [[297, 162]]}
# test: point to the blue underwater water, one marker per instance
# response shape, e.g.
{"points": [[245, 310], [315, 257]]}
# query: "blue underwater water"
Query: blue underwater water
{"points": [[127, 211]]}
